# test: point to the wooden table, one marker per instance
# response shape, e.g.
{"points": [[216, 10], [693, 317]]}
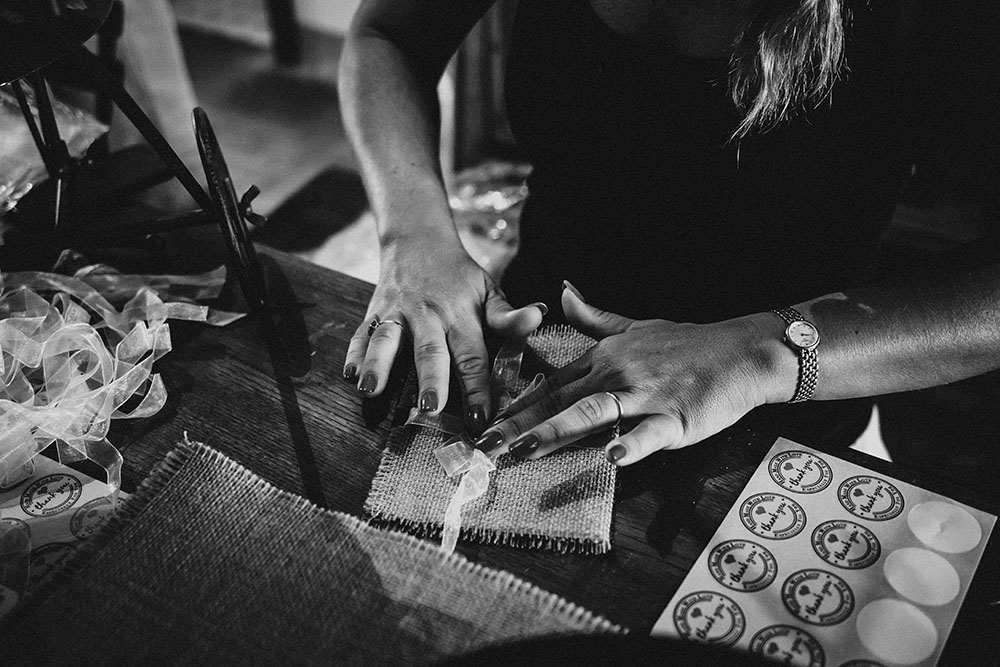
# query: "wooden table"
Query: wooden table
{"points": [[223, 392]]}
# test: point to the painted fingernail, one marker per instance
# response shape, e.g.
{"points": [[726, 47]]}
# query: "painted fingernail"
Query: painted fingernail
{"points": [[540, 306], [429, 401], [489, 441], [350, 371], [524, 446], [568, 285], [616, 453], [475, 419], [368, 383]]}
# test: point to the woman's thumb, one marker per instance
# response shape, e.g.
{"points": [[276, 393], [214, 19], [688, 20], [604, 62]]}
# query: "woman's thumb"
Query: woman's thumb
{"points": [[594, 322]]}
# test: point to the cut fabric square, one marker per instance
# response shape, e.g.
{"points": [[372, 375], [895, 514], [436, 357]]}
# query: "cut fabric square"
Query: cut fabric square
{"points": [[562, 501]]}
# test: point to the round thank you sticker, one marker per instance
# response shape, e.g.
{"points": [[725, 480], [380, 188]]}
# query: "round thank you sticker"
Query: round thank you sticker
{"points": [[709, 617], [800, 472], [742, 565], [846, 544], [869, 497], [12, 529], [45, 559], [89, 517], [773, 516], [51, 494], [788, 645], [15, 545], [8, 600], [818, 597]]}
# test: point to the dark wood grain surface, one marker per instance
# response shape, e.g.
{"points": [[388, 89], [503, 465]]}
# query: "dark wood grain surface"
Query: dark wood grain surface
{"points": [[312, 435]]}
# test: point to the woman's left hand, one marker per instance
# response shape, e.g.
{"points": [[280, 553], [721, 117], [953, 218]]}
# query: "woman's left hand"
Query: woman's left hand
{"points": [[680, 382]]}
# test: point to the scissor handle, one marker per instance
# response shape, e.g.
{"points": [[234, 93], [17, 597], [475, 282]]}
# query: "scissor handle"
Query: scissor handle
{"points": [[227, 210]]}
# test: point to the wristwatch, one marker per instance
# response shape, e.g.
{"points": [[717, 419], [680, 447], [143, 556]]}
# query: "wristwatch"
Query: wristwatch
{"points": [[802, 336]]}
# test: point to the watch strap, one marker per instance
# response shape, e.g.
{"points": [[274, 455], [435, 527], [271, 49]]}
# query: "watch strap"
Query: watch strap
{"points": [[808, 359]]}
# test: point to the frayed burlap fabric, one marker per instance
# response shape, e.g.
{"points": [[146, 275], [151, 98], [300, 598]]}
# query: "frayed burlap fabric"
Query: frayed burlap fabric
{"points": [[207, 564], [562, 501]]}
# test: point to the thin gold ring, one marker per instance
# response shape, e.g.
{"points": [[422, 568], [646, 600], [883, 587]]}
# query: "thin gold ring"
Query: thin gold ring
{"points": [[616, 429]]}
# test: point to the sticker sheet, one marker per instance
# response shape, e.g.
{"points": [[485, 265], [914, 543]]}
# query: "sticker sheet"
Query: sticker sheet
{"points": [[821, 562], [45, 513]]}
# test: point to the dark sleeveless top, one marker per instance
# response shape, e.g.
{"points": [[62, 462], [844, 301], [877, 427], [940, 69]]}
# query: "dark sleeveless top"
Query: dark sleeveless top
{"points": [[640, 199]]}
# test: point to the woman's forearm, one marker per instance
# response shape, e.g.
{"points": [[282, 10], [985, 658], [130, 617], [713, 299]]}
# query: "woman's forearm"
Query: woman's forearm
{"points": [[391, 115], [927, 329]]}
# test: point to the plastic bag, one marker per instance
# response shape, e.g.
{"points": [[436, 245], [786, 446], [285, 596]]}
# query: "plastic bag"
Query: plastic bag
{"points": [[21, 166]]}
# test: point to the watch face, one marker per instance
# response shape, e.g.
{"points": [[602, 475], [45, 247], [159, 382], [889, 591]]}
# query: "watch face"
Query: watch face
{"points": [[803, 334]]}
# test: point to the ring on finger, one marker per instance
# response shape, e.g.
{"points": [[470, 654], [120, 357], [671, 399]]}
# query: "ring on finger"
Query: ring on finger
{"points": [[616, 429], [402, 327], [376, 323]]}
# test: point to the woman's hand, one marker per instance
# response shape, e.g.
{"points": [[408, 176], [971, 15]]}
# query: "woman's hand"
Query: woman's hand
{"points": [[681, 382], [435, 292], [393, 57]]}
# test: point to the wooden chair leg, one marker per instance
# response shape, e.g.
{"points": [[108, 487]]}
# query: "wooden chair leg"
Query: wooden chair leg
{"points": [[90, 65], [285, 32]]}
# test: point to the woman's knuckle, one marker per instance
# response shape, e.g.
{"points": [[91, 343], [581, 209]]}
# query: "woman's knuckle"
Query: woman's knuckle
{"points": [[550, 404], [550, 431], [428, 350], [432, 309], [591, 412], [469, 364], [603, 361]]}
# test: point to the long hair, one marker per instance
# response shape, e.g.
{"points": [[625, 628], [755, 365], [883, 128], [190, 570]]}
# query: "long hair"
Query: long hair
{"points": [[788, 56]]}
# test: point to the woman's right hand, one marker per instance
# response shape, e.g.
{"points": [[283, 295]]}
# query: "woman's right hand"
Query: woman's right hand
{"points": [[440, 296], [390, 65]]}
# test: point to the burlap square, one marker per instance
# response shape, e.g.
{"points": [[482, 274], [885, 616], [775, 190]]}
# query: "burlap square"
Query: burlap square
{"points": [[562, 501], [208, 564]]}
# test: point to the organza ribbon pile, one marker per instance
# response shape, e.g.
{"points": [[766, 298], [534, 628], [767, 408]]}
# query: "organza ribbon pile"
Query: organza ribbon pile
{"points": [[72, 363]]}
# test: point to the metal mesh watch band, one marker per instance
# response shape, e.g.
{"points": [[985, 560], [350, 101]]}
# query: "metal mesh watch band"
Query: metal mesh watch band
{"points": [[808, 359]]}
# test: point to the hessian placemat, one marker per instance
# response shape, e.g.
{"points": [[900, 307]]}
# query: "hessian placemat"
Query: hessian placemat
{"points": [[562, 501], [208, 564]]}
